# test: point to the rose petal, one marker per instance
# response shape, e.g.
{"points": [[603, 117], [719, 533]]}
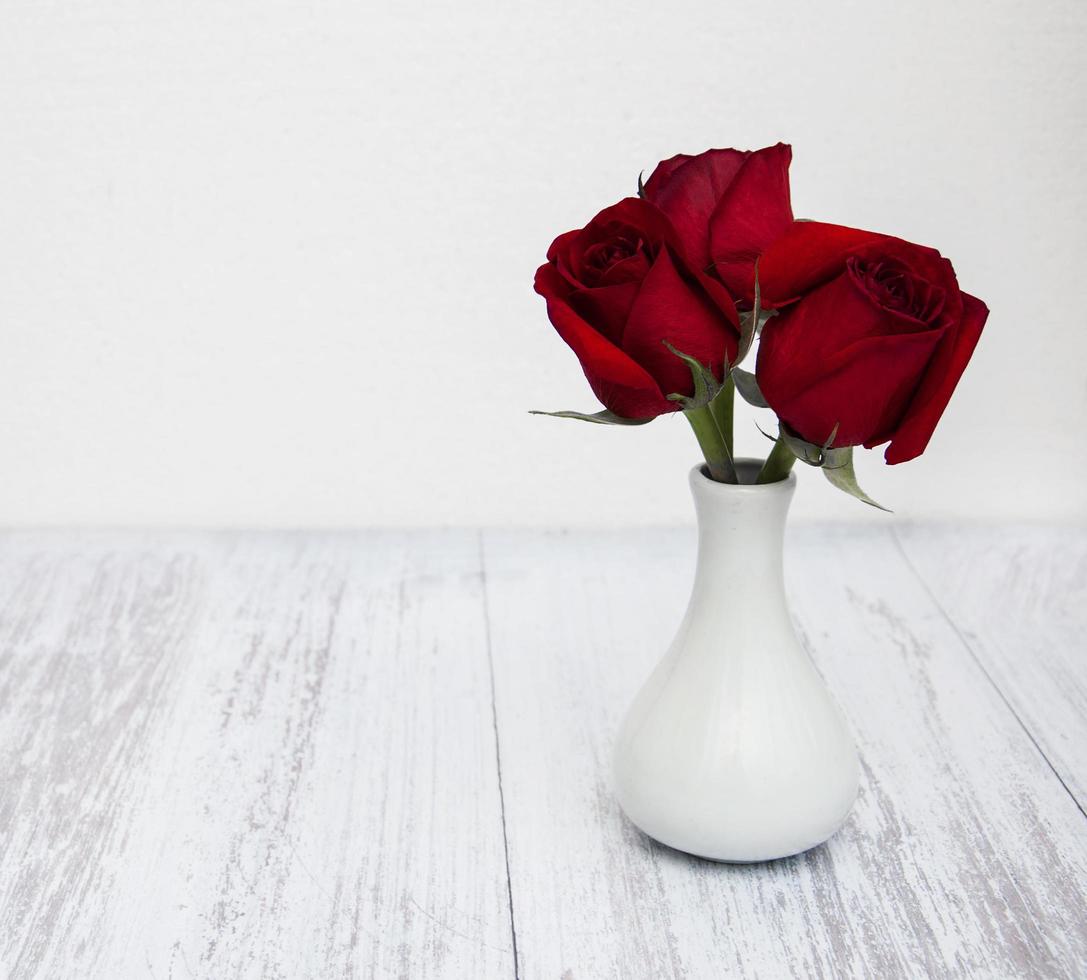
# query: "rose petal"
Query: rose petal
{"points": [[664, 170], [631, 269], [559, 256], [688, 189], [835, 358], [753, 212], [641, 215], [605, 308], [807, 254], [947, 366], [616, 379], [570, 249], [923, 262], [844, 395], [805, 336], [671, 307]]}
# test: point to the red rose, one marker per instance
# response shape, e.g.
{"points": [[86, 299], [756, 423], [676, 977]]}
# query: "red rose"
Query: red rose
{"points": [[872, 335], [617, 290], [727, 206]]}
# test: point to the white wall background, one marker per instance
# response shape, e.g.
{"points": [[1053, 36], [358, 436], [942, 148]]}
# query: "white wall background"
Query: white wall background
{"points": [[270, 264]]}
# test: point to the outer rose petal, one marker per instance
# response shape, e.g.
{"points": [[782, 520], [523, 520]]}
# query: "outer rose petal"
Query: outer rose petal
{"points": [[845, 396], [835, 359], [939, 383], [666, 168], [753, 212], [806, 255], [606, 308], [673, 308], [620, 383], [687, 189], [559, 255]]}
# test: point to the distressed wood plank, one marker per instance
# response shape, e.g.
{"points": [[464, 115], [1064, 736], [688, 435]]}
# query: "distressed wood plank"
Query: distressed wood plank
{"points": [[964, 857], [1019, 600], [272, 755], [246, 755]]}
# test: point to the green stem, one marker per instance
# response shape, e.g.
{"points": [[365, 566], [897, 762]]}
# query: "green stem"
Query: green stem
{"points": [[777, 464], [722, 408], [713, 444]]}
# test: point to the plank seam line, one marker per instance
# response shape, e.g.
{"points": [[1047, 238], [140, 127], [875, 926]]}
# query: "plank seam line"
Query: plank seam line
{"points": [[981, 666], [498, 752]]}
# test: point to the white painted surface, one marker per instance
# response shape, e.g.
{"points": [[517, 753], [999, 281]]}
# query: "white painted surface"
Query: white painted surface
{"points": [[733, 749], [228, 756], [259, 255], [305, 755], [1018, 600]]}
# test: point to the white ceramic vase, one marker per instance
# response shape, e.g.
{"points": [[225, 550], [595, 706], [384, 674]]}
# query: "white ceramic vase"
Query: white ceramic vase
{"points": [[734, 750]]}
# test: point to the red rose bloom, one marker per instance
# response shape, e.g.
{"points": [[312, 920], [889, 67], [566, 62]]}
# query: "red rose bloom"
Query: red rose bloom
{"points": [[873, 334], [727, 206], [620, 287]]}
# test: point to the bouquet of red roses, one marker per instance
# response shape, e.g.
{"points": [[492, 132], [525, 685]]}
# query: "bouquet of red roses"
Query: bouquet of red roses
{"points": [[862, 336]]}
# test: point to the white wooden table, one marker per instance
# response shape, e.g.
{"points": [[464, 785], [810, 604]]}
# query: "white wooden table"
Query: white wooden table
{"points": [[386, 755]]}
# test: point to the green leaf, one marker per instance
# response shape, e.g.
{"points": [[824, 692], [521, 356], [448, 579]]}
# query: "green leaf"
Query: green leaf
{"points": [[706, 385], [600, 418], [748, 388], [838, 468]]}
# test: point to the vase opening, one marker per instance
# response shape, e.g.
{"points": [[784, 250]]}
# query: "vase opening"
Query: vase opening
{"points": [[747, 469]]}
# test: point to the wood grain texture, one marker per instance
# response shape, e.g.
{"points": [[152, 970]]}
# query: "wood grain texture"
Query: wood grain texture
{"points": [[248, 756], [307, 755], [1019, 600], [965, 857]]}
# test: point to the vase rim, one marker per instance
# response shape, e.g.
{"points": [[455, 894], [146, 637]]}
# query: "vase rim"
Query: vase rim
{"points": [[746, 466]]}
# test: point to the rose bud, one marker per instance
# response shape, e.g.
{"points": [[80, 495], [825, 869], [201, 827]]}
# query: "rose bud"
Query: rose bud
{"points": [[871, 336], [727, 206], [617, 291]]}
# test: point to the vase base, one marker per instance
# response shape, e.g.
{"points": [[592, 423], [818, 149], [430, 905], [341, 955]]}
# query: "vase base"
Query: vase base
{"points": [[765, 858]]}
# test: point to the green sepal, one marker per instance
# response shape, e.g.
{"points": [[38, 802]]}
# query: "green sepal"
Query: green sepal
{"points": [[752, 321], [748, 387], [806, 452], [605, 417], [765, 434], [749, 322], [838, 469], [641, 185], [706, 385]]}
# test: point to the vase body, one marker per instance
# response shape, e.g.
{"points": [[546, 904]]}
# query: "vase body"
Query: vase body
{"points": [[734, 750]]}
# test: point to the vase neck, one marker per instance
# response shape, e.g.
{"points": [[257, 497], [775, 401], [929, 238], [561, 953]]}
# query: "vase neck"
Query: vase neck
{"points": [[741, 531]]}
